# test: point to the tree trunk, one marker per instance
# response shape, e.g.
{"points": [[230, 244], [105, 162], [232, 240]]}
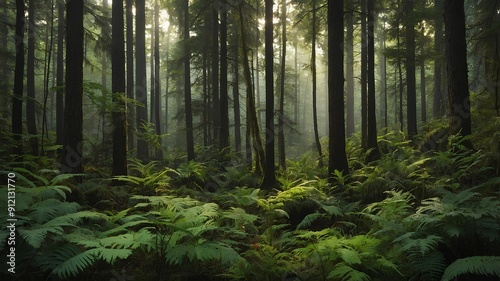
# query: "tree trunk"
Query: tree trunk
{"points": [[140, 78], [437, 101], [349, 72], [118, 90], [314, 86], [157, 110], [456, 52], [215, 73], [223, 106], [253, 131], [187, 86], [17, 100], [236, 95], [130, 74], [30, 80], [60, 74], [269, 173], [73, 115], [411, 94], [104, 50], [281, 110], [364, 101], [371, 122], [423, 98], [337, 159]]}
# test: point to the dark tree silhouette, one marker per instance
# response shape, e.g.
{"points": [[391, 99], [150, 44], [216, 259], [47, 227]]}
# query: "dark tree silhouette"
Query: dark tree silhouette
{"points": [[30, 80], [130, 73], [337, 159], [456, 52], [187, 85], [118, 90], [140, 76], [60, 75], [269, 169], [71, 161], [411, 94], [371, 137], [17, 100], [223, 106]]}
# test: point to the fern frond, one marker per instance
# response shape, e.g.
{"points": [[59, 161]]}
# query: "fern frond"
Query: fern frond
{"points": [[349, 256], [309, 220], [481, 265], [69, 261], [110, 255], [343, 272]]}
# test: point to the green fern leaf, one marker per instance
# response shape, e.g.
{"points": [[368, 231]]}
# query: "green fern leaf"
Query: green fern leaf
{"points": [[59, 178], [349, 256], [344, 272], [481, 265], [36, 235], [309, 220], [110, 255], [69, 261]]}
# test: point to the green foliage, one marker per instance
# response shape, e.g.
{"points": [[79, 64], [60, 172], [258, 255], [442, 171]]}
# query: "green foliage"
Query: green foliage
{"points": [[479, 265]]}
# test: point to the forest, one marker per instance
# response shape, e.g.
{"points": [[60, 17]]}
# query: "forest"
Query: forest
{"points": [[315, 140]]}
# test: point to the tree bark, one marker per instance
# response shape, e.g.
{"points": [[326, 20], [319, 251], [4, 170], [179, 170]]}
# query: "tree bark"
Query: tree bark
{"points": [[269, 173], [157, 110], [140, 78], [236, 95], [349, 71], [437, 101], [118, 90], [60, 74], [371, 122], [73, 115], [314, 85], [130, 74], [337, 159], [215, 74], [364, 100], [30, 81], [187, 86], [17, 100], [411, 94], [281, 110], [253, 131], [223, 106], [456, 52]]}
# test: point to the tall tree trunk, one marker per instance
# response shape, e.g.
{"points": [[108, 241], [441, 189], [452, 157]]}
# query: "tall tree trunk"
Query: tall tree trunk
{"points": [[140, 78], [118, 90], [437, 101], [215, 73], [60, 74], [17, 100], [223, 106], [130, 74], [371, 122], [296, 84], [281, 110], [236, 94], [104, 50], [400, 73], [364, 100], [314, 85], [349, 71], [456, 52], [411, 94], [187, 86], [49, 41], [423, 98], [337, 158], [73, 114], [269, 173], [6, 72], [157, 109], [30, 82], [253, 131]]}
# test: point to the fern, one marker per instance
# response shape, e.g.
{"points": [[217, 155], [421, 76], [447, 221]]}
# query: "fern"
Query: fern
{"points": [[480, 265], [345, 272], [67, 261]]}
